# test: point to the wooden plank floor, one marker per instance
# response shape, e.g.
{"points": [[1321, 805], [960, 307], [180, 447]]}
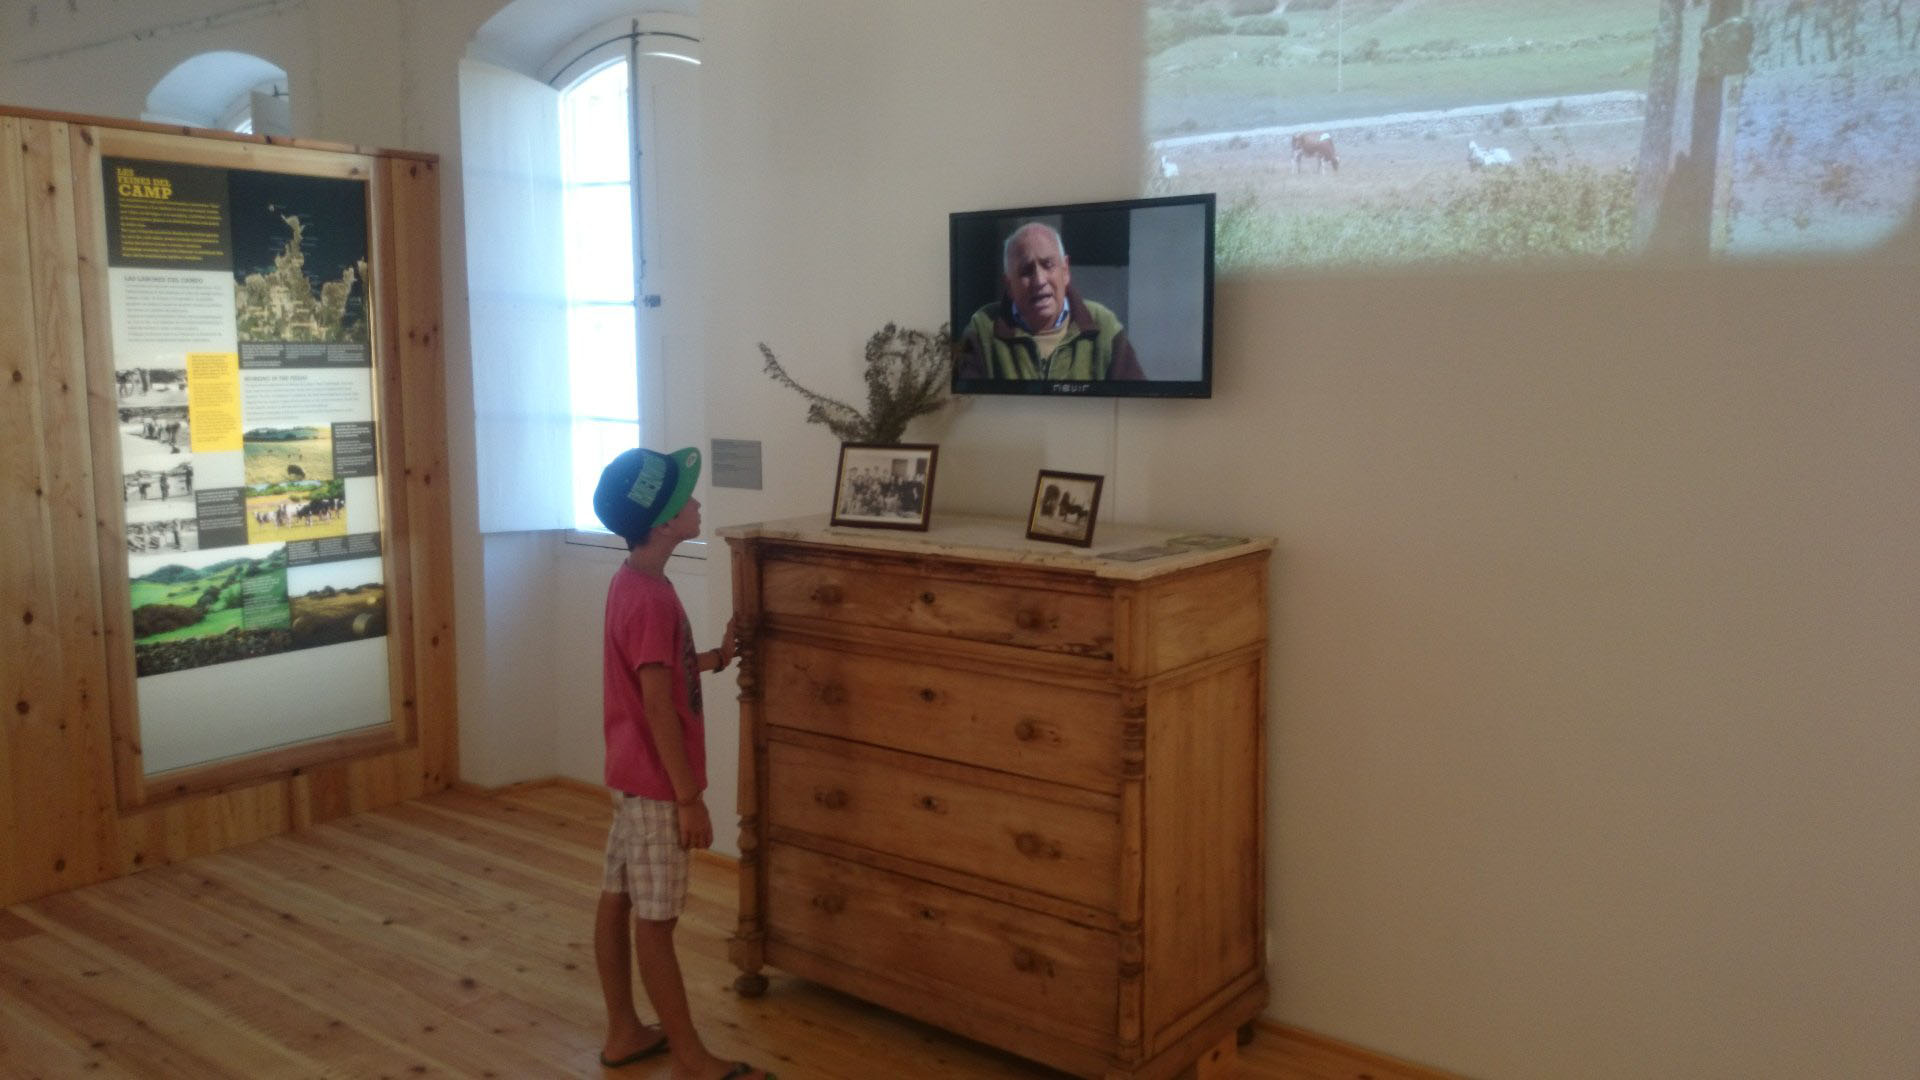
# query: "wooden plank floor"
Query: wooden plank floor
{"points": [[450, 936]]}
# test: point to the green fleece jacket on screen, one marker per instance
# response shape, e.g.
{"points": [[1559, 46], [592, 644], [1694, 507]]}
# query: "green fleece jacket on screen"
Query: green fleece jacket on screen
{"points": [[996, 346]]}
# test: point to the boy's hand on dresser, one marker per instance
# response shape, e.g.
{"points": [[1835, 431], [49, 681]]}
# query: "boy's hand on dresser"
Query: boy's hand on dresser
{"points": [[696, 825]]}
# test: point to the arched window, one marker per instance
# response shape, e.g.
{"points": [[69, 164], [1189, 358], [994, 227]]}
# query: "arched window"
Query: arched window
{"points": [[228, 91], [617, 377], [603, 314], [596, 194], [262, 110]]}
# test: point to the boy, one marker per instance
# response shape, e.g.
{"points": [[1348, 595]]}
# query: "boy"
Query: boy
{"points": [[656, 763]]}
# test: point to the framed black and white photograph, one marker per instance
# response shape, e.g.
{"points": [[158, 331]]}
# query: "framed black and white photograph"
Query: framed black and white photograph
{"points": [[884, 487], [1064, 506]]}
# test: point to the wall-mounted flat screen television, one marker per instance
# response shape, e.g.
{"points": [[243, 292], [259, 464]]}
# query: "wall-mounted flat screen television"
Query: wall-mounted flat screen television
{"points": [[1106, 299]]}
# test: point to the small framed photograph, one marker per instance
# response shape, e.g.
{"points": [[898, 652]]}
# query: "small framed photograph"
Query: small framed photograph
{"points": [[1064, 506], [883, 486]]}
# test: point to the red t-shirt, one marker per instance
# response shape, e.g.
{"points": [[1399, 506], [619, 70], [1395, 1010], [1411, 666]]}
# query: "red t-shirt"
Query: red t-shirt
{"points": [[647, 625]]}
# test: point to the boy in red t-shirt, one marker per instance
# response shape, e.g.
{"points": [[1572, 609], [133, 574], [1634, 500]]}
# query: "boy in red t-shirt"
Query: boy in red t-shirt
{"points": [[656, 763]]}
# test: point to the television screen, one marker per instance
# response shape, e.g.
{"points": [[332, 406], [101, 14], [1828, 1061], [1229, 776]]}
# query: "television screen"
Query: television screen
{"points": [[1108, 299]]}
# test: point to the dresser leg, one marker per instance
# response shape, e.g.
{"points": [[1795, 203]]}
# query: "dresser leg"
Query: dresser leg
{"points": [[1219, 1060], [747, 954]]}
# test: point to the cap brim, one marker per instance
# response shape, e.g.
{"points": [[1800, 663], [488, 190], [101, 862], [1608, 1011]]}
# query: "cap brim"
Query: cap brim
{"points": [[686, 476]]}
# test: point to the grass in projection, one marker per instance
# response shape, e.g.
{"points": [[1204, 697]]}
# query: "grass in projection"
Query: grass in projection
{"points": [[1393, 131]]}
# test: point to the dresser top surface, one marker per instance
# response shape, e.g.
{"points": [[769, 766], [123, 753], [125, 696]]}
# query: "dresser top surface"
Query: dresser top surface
{"points": [[1119, 551]]}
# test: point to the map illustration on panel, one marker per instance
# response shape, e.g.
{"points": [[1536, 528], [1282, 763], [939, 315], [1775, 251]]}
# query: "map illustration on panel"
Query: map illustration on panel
{"points": [[300, 263]]}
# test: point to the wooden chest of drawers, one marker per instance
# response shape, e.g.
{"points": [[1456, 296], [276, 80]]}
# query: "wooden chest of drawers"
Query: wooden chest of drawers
{"points": [[1010, 788]]}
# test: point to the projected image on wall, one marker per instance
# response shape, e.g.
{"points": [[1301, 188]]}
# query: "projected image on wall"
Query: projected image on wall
{"points": [[1393, 131]]}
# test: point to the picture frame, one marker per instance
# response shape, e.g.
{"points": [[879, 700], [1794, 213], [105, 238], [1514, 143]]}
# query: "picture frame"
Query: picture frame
{"points": [[1065, 507], [885, 485]]}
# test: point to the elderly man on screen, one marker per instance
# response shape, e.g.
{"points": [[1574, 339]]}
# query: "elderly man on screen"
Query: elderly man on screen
{"points": [[1041, 328]]}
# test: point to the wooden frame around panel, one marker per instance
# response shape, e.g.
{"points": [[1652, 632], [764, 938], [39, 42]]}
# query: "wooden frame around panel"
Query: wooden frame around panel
{"points": [[65, 663], [134, 786]]}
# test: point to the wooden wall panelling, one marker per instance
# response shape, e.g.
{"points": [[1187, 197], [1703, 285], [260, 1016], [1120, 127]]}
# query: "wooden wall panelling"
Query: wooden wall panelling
{"points": [[281, 157], [116, 605], [71, 804], [412, 250], [62, 784], [184, 828], [254, 144], [397, 526], [387, 779], [317, 795], [25, 581]]}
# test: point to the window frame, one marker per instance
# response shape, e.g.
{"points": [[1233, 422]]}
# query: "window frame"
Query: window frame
{"points": [[627, 41], [599, 61]]}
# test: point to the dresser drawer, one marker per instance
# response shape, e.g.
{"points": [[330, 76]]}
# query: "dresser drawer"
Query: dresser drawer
{"points": [[877, 800], [1054, 733], [1075, 623], [1006, 959]]}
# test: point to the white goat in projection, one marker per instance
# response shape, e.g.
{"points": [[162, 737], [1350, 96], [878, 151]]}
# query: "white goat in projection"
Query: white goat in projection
{"points": [[1487, 157]]}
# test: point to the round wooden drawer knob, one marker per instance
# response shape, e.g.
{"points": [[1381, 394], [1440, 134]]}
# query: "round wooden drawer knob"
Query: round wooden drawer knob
{"points": [[1035, 846], [1025, 959]]}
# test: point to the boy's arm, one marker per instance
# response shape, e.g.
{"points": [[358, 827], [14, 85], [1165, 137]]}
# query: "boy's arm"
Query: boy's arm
{"points": [[656, 697], [723, 655]]}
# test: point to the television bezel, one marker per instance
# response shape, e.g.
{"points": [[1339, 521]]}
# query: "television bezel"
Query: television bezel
{"points": [[1104, 388]]}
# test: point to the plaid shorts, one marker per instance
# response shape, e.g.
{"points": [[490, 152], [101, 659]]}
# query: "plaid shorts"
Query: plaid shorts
{"points": [[644, 857]]}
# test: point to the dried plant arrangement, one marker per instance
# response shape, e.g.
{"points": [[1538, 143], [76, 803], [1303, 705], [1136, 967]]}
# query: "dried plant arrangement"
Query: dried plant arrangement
{"points": [[907, 375]]}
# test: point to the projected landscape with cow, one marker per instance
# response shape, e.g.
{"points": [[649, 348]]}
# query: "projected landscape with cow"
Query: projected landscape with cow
{"points": [[1389, 131]]}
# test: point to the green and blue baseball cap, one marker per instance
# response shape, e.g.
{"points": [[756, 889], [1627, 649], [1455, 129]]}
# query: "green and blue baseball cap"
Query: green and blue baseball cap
{"points": [[642, 488]]}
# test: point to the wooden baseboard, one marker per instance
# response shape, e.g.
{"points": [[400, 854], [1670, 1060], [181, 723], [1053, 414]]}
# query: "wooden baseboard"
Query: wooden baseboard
{"points": [[1386, 1066], [467, 787]]}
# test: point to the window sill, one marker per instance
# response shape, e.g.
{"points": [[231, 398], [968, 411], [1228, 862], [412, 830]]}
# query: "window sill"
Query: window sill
{"points": [[584, 538], [690, 549]]}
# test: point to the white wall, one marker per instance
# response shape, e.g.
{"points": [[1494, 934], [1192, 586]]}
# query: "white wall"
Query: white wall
{"points": [[1597, 601]]}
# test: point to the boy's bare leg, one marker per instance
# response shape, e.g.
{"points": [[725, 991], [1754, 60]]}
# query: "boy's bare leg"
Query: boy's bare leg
{"points": [[613, 957], [660, 973]]}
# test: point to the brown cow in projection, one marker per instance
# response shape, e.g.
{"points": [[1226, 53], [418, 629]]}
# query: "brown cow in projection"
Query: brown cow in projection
{"points": [[1316, 145]]}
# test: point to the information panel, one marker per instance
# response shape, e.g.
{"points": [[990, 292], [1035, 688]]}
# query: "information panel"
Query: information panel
{"points": [[246, 416]]}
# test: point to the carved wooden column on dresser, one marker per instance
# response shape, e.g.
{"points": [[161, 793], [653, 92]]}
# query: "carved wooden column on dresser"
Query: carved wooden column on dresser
{"points": [[1008, 787]]}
